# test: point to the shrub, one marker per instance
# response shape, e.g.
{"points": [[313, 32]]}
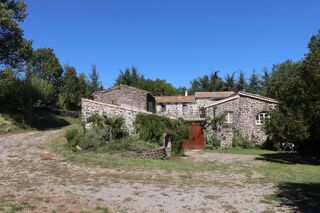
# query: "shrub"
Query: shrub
{"points": [[213, 143], [152, 127], [114, 125], [73, 136], [7, 124], [94, 138], [239, 141]]}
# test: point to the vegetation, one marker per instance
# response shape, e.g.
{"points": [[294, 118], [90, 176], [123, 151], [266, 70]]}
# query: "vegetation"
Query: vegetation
{"points": [[156, 87], [296, 86], [152, 128], [106, 135], [213, 143], [242, 142]]}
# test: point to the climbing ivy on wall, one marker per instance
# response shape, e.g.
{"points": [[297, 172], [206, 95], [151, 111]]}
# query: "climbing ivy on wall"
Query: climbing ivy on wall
{"points": [[152, 127]]}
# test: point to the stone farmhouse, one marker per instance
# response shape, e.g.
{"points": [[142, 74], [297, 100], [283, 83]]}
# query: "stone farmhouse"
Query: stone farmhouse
{"points": [[245, 112]]}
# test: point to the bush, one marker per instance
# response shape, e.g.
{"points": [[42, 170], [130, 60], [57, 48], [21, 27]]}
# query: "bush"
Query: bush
{"points": [[94, 138], [7, 124], [73, 136], [113, 125], [152, 127], [239, 141], [213, 143]]}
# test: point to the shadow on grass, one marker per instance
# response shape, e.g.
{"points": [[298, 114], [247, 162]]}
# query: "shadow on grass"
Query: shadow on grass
{"points": [[47, 121], [302, 197], [290, 158]]}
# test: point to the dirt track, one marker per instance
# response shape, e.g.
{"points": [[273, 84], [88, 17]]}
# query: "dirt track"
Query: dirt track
{"points": [[56, 185]]}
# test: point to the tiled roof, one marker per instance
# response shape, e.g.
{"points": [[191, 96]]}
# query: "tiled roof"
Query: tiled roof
{"points": [[123, 86], [214, 95], [245, 94], [175, 99]]}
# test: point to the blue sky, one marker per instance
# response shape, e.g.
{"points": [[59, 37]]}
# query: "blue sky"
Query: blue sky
{"points": [[176, 40]]}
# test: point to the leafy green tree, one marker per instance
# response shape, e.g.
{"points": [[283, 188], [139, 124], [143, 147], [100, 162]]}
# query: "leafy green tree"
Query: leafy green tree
{"points": [[45, 65], [14, 49], [84, 86], [296, 85], [69, 98], [44, 90]]}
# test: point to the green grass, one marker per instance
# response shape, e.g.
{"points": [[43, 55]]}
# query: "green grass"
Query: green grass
{"points": [[235, 150]]}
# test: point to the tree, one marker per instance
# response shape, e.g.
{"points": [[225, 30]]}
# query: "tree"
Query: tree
{"points": [[94, 83], [132, 77], [69, 98], [254, 83], [242, 84], [216, 83], [45, 65], [84, 86], [14, 49], [229, 84], [297, 87]]}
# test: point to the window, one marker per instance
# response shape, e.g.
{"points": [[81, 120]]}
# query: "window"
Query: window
{"points": [[261, 117], [163, 108], [202, 113], [229, 118], [184, 109]]}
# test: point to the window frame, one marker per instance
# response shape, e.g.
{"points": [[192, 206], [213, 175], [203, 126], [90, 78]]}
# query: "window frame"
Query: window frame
{"points": [[228, 120], [261, 117]]}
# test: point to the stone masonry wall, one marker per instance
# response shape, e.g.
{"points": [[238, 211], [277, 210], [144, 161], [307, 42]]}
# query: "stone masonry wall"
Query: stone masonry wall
{"points": [[90, 107], [176, 110], [154, 154], [245, 110], [123, 96], [249, 108]]}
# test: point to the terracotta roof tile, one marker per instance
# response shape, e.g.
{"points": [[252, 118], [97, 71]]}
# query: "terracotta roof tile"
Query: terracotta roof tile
{"points": [[214, 95], [175, 99]]}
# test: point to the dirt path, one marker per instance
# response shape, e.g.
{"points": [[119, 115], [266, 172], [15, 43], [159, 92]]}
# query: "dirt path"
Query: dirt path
{"points": [[36, 184]]}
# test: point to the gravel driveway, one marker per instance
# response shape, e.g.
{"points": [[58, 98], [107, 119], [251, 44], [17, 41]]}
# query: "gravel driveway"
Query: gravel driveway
{"points": [[54, 185]]}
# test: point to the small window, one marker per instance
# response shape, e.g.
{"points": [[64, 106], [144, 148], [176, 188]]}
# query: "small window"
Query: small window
{"points": [[261, 118], [163, 108], [202, 113], [229, 118], [184, 109]]}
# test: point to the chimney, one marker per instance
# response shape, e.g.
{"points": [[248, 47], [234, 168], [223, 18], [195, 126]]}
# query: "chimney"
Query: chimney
{"points": [[186, 93]]}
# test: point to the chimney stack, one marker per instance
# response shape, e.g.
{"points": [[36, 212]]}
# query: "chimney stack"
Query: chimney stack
{"points": [[186, 93]]}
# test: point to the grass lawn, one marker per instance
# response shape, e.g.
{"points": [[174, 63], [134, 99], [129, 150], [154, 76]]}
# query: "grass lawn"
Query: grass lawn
{"points": [[235, 150]]}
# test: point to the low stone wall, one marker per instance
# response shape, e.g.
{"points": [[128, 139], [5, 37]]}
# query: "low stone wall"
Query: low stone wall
{"points": [[153, 154], [90, 107]]}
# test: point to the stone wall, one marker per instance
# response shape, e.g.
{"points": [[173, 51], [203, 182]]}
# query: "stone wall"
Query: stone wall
{"points": [[176, 110], [90, 107], [249, 108], [245, 110], [154, 154], [126, 96]]}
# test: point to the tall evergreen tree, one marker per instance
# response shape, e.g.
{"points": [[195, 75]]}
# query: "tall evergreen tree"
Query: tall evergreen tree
{"points": [[94, 83], [254, 83], [229, 84], [241, 84]]}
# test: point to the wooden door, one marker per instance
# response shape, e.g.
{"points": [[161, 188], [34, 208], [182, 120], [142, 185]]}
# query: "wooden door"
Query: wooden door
{"points": [[196, 138]]}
